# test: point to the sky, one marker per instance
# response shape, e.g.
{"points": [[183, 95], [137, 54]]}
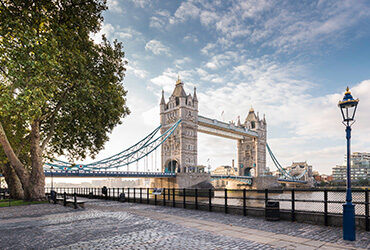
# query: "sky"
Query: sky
{"points": [[289, 60]]}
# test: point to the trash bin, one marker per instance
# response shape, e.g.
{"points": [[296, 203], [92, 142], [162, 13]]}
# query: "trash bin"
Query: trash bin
{"points": [[53, 196], [272, 211], [122, 197]]}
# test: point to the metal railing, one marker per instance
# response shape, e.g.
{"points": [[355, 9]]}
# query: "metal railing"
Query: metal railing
{"points": [[325, 202]]}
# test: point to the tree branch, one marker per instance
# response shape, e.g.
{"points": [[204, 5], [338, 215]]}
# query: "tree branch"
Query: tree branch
{"points": [[51, 131], [53, 114]]}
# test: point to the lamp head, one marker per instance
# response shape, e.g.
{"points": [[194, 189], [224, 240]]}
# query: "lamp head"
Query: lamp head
{"points": [[348, 106]]}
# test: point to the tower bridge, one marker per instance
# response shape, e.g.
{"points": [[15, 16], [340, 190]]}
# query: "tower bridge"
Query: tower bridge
{"points": [[180, 151]]}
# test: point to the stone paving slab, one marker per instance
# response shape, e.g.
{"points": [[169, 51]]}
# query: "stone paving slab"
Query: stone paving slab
{"points": [[113, 225], [284, 228]]}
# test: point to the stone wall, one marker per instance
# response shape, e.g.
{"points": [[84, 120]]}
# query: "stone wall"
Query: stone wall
{"points": [[263, 182], [192, 180]]}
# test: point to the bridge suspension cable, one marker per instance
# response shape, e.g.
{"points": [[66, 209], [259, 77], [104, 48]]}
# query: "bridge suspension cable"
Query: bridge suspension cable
{"points": [[131, 155], [285, 174]]}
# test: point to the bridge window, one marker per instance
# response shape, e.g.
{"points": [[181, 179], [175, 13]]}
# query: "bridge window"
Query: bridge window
{"points": [[177, 101], [253, 124]]}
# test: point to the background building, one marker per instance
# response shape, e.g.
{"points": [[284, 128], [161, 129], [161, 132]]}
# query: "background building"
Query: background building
{"points": [[360, 168]]}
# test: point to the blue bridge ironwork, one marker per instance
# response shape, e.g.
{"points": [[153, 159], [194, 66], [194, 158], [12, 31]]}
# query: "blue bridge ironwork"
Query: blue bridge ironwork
{"points": [[128, 174]]}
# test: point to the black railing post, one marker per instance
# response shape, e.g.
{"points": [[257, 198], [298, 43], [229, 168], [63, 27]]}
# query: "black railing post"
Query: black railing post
{"points": [[266, 196], [326, 207], [210, 200], [134, 195], [75, 200], [114, 194], [147, 196], [244, 202], [367, 222], [173, 198], [64, 199], [225, 200], [196, 198], [155, 199], [128, 194], [164, 196], [141, 195], [184, 198], [293, 205], [169, 194]]}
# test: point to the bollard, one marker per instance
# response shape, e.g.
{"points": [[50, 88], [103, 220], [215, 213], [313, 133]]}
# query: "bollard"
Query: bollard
{"points": [[141, 195], [184, 201]]}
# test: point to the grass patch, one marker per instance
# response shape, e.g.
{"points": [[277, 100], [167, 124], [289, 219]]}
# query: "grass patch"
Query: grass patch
{"points": [[11, 203]]}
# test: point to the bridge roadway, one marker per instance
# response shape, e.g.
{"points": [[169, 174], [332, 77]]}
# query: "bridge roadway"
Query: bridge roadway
{"points": [[131, 174]]}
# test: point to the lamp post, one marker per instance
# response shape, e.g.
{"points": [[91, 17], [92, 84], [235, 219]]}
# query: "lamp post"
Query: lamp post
{"points": [[348, 108]]}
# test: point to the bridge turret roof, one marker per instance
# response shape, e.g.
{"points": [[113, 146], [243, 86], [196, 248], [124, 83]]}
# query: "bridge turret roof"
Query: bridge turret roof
{"points": [[162, 99], [179, 89]]}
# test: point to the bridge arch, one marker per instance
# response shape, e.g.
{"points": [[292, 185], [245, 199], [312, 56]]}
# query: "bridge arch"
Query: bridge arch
{"points": [[172, 166]]}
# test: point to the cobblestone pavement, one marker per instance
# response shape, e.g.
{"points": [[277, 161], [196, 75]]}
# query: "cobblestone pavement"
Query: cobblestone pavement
{"points": [[113, 225]]}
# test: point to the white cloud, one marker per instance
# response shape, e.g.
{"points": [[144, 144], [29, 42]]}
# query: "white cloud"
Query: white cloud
{"points": [[160, 19], [186, 10], [206, 50], [191, 37], [132, 68], [128, 34], [141, 3], [182, 61], [157, 48], [222, 60], [113, 5]]}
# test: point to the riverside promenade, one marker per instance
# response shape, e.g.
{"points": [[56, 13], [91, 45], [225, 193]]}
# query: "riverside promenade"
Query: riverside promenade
{"points": [[113, 225]]}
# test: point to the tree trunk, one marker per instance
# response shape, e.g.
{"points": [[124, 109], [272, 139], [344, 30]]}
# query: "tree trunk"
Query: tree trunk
{"points": [[36, 188], [16, 164], [13, 182]]}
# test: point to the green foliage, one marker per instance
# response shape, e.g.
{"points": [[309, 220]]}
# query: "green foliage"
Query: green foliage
{"points": [[51, 71]]}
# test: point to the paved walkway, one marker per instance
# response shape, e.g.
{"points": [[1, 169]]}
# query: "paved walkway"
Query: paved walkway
{"points": [[113, 225]]}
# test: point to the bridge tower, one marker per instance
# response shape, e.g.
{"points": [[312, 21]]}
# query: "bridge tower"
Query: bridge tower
{"points": [[180, 150], [252, 151]]}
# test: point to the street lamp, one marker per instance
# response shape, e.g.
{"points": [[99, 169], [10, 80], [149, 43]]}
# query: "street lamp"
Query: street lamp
{"points": [[348, 108]]}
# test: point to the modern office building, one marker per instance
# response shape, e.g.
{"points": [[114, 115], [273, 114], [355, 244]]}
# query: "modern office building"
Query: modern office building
{"points": [[360, 167]]}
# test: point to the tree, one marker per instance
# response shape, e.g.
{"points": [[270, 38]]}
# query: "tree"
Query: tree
{"points": [[60, 93]]}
